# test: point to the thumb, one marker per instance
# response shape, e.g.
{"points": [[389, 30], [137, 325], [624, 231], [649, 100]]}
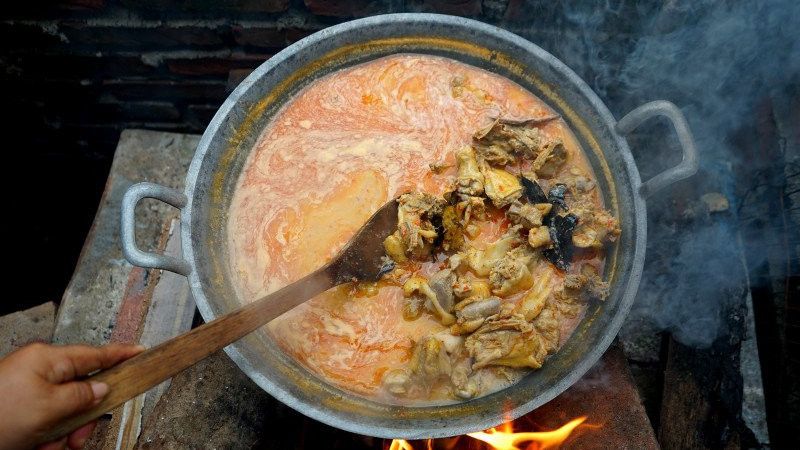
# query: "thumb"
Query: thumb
{"points": [[75, 396]]}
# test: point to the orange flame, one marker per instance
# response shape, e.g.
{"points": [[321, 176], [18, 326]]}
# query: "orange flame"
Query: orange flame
{"points": [[400, 444], [504, 438]]}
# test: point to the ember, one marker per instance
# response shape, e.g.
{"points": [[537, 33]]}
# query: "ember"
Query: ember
{"points": [[503, 438]]}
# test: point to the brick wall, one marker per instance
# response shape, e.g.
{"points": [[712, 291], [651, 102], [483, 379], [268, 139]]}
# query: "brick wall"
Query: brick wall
{"points": [[82, 70], [74, 73]]}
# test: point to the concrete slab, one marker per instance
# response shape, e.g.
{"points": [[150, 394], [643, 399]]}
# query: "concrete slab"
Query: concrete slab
{"points": [[23, 327], [91, 302]]}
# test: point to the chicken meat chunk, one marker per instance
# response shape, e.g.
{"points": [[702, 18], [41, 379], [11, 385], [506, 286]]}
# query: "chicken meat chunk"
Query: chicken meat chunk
{"points": [[510, 274], [498, 142], [506, 341], [472, 312], [528, 215], [429, 360], [432, 296], [415, 231], [470, 179], [596, 226], [550, 160], [501, 187]]}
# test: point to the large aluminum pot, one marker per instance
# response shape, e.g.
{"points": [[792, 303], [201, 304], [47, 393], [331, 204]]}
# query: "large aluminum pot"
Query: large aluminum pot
{"points": [[232, 133]]}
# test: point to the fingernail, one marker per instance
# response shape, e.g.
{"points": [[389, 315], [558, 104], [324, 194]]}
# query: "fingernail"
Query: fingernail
{"points": [[140, 348], [99, 390]]}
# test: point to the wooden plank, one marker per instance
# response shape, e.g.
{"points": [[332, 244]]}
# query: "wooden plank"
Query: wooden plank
{"points": [[170, 312]]}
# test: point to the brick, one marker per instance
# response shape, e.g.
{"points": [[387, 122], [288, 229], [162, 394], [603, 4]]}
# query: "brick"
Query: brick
{"points": [[199, 90], [149, 111], [345, 8], [454, 7], [164, 36], [50, 10], [214, 66], [235, 77], [17, 36], [263, 37], [198, 116], [107, 111], [88, 4], [209, 6], [70, 66]]}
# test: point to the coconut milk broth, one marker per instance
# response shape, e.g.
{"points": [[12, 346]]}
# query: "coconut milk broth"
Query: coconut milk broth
{"points": [[332, 156]]}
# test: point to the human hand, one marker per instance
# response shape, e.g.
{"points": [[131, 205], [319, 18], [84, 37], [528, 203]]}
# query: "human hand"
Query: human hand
{"points": [[37, 391]]}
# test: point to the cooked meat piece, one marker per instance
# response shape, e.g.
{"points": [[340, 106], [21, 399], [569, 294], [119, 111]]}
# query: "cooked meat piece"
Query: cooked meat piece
{"points": [[510, 274], [419, 287], [539, 237], [482, 261], [535, 299], [469, 208], [601, 227], [548, 329], [526, 214], [472, 312], [496, 142], [501, 187], [452, 344], [394, 247], [476, 307], [467, 288], [429, 360], [419, 203], [466, 326], [439, 167], [453, 233], [396, 381], [465, 385], [441, 284], [596, 225], [417, 233], [506, 341], [586, 285], [462, 287], [470, 178], [413, 307], [551, 158]]}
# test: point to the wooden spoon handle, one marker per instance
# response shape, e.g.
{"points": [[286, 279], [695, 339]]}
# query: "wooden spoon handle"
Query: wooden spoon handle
{"points": [[149, 368]]}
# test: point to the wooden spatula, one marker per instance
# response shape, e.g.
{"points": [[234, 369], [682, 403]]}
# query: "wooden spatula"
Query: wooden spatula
{"points": [[362, 259]]}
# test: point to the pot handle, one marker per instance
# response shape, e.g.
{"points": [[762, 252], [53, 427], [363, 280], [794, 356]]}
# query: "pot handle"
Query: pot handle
{"points": [[687, 167], [132, 253]]}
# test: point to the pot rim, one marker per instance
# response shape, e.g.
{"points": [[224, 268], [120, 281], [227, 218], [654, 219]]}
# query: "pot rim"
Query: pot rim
{"points": [[330, 416]]}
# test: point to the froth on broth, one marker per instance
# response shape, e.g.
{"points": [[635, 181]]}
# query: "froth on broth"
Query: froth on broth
{"points": [[335, 153]]}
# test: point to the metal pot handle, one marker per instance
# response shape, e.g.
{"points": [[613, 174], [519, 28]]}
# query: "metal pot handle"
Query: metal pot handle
{"points": [[132, 253], [687, 167]]}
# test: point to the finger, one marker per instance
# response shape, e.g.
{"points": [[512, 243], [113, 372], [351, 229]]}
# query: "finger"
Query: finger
{"points": [[55, 445], [70, 398], [78, 438], [71, 361]]}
